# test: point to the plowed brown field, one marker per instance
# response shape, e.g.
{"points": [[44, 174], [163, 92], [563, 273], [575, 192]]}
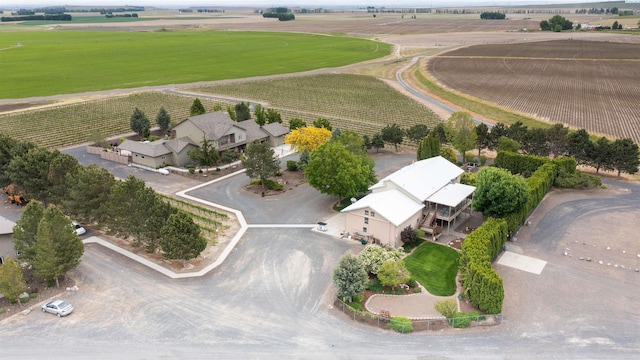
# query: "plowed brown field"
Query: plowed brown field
{"points": [[582, 84]]}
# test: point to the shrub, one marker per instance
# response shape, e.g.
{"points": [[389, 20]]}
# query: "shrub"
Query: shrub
{"points": [[448, 308], [460, 320], [483, 160], [375, 285], [576, 180], [411, 283], [292, 165], [33, 295], [419, 233], [355, 306], [268, 184], [407, 235], [2, 311], [401, 324], [417, 290]]}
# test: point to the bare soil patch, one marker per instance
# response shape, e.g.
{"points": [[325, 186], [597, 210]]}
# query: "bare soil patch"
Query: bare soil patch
{"points": [[583, 84]]}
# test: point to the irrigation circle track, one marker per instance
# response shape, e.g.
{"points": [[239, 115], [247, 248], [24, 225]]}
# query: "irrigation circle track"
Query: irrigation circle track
{"points": [[583, 84]]}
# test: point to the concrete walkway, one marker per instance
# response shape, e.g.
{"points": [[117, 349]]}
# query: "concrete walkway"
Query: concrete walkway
{"points": [[413, 306]]}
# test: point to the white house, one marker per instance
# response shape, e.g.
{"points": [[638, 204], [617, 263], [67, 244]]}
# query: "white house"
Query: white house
{"points": [[426, 194]]}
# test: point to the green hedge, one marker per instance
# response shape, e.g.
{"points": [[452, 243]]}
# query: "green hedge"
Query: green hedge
{"points": [[401, 324], [518, 163], [482, 284]]}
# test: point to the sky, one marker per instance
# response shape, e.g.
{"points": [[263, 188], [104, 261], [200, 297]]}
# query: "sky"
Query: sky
{"points": [[273, 3]]}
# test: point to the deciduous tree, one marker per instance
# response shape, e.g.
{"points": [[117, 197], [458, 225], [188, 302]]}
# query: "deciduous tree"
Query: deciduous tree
{"points": [[260, 161], [352, 142], [498, 192], [260, 115], [334, 170], [349, 277], [181, 238], [273, 116], [307, 138], [139, 122], [461, 132], [393, 134], [11, 282], [373, 256], [393, 273], [625, 156], [377, 142], [322, 123], [206, 155], [580, 146], [417, 132], [296, 123]]}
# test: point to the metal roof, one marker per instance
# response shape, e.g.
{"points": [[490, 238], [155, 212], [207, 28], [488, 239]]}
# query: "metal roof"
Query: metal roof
{"points": [[392, 205]]}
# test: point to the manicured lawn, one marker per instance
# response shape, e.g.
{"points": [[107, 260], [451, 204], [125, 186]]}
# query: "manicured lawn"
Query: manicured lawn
{"points": [[435, 267], [63, 62]]}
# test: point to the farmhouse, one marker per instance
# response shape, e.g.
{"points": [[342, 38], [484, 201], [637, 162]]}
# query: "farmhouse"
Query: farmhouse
{"points": [[426, 195], [6, 239], [216, 127]]}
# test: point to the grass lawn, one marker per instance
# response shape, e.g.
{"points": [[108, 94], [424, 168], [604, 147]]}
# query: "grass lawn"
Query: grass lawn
{"points": [[61, 62], [435, 267]]}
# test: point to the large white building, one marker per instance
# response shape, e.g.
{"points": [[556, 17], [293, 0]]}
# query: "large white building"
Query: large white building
{"points": [[426, 194]]}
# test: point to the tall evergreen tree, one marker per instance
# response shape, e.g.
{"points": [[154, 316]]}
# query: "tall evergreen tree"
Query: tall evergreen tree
{"points": [[139, 123], [242, 111], [26, 230], [88, 191], [163, 119], [625, 156], [181, 238], [260, 161], [197, 108], [349, 277]]}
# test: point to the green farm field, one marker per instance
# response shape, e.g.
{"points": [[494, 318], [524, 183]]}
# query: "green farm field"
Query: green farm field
{"points": [[54, 62], [359, 103]]}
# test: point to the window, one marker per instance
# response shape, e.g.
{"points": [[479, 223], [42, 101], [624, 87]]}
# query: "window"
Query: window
{"points": [[373, 214], [364, 230], [366, 220], [366, 213]]}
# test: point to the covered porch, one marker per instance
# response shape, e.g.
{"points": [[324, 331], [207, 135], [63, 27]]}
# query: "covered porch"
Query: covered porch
{"points": [[447, 205]]}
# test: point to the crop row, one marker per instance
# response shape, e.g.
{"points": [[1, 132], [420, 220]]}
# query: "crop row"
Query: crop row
{"points": [[210, 221], [599, 96], [66, 125], [351, 99]]}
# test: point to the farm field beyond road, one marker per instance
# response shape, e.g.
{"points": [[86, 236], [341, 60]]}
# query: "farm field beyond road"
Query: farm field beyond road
{"points": [[582, 84], [50, 63]]}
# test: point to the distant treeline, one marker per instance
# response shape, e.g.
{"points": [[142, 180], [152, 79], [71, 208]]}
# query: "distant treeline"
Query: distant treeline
{"points": [[492, 16], [108, 16], [55, 17], [282, 16]]}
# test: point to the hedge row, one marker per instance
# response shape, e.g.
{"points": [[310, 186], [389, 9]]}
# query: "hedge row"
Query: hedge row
{"points": [[482, 284]]}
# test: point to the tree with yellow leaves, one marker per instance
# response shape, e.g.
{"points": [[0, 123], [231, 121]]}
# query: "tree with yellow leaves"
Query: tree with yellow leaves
{"points": [[307, 138]]}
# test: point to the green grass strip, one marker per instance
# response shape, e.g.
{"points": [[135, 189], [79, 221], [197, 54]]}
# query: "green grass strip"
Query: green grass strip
{"points": [[435, 267]]}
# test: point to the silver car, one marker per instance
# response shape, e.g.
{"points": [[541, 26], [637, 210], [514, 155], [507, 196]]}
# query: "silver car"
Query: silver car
{"points": [[78, 228], [58, 307]]}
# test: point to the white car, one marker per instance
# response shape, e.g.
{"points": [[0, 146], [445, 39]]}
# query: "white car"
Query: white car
{"points": [[57, 307], [78, 228]]}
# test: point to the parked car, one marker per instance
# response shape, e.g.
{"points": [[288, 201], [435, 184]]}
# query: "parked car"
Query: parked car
{"points": [[58, 307], [79, 229]]}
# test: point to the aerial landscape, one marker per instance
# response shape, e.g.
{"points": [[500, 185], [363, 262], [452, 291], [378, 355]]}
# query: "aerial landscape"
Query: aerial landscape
{"points": [[379, 179]]}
